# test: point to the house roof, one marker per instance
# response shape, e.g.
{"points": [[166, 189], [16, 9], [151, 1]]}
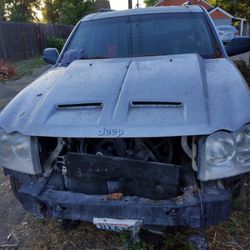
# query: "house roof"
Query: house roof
{"points": [[204, 1], [221, 10], [210, 10]]}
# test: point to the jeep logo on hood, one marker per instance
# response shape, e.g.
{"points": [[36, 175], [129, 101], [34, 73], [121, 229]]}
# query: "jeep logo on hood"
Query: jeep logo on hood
{"points": [[111, 132]]}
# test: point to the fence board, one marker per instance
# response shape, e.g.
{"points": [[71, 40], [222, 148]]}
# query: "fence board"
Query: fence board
{"points": [[25, 40]]}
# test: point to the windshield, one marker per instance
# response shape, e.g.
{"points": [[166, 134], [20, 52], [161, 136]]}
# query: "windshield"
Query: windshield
{"points": [[142, 35]]}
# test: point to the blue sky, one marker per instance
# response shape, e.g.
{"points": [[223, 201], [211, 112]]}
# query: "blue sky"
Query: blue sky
{"points": [[122, 4]]}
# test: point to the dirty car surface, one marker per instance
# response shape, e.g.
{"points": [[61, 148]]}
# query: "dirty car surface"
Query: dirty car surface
{"points": [[146, 124]]}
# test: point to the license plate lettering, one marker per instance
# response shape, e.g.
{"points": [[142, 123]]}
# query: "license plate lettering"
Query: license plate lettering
{"points": [[116, 225]]}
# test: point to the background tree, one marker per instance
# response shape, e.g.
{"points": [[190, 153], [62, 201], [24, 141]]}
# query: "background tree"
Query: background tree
{"points": [[239, 8], [2, 10], [21, 10], [51, 10], [73, 10], [150, 2], [67, 11]]}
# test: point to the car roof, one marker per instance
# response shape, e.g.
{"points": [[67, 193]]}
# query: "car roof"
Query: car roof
{"points": [[226, 27], [142, 11]]}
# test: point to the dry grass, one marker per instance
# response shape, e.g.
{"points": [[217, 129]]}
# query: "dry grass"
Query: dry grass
{"points": [[20, 69], [232, 235], [244, 69], [235, 234]]}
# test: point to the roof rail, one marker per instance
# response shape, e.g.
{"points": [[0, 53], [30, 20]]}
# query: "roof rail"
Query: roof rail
{"points": [[187, 3], [104, 10]]}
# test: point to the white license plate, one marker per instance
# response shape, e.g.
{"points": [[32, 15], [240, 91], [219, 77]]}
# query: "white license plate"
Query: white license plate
{"points": [[116, 225]]}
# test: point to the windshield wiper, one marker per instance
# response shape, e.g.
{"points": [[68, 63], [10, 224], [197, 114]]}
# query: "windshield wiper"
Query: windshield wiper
{"points": [[95, 57], [155, 54]]}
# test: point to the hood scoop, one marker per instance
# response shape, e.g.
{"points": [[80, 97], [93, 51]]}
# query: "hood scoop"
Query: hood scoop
{"points": [[80, 105], [145, 104]]}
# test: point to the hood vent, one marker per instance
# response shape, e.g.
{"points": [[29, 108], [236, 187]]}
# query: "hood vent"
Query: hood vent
{"points": [[156, 104], [80, 105]]}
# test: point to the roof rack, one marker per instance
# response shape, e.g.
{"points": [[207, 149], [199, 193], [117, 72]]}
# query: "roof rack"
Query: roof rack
{"points": [[104, 10], [187, 3]]}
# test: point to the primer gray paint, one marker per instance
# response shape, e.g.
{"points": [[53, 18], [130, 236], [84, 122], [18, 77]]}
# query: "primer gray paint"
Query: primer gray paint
{"points": [[213, 94]]}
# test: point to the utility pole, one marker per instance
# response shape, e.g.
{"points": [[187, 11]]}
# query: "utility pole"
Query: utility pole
{"points": [[130, 4], [137, 4]]}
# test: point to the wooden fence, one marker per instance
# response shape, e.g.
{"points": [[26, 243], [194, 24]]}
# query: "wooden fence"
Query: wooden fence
{"points": [[24, 40]]}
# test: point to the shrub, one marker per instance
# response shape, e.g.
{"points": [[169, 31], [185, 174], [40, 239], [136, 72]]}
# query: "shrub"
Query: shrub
{"points": [[6, 70], [56, 42], [244, 69]]}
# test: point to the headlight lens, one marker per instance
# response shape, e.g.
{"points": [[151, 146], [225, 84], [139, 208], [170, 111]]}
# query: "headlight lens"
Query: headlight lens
{"points": [[225, 154], [16, 153], [220, 148]]}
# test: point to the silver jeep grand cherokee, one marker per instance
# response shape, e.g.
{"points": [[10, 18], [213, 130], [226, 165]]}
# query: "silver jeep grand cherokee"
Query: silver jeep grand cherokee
{"points": [[143, 120]]}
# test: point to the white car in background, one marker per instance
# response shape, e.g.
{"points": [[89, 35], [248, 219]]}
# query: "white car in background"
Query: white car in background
{"points": [[227, 33]]}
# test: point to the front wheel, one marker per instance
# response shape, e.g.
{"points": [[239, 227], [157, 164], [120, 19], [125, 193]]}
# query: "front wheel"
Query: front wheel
{"points": [[15, 185]]}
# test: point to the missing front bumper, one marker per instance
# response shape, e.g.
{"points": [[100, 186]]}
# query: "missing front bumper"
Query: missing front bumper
{"points": [[195, 208]]}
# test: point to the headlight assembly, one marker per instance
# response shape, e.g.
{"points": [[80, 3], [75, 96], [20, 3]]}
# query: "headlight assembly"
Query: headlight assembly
{"points": [[19, 153], [224, 154], [242, 140]]}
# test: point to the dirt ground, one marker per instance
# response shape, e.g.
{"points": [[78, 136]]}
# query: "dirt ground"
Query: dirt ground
{"points": [[33, 233]]}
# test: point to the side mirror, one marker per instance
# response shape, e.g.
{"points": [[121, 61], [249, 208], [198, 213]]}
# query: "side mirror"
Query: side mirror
{"points": [[238, 45], [50, 55]]}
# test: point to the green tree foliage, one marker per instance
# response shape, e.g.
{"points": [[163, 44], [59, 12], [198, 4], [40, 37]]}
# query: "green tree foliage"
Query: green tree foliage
{"points": [[21, 10], [239, 8], [51, 10], [150, 2], [2, 10], [67, 11]]}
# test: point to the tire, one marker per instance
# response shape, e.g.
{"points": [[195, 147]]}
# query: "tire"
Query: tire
{"points": [[15, 185]]}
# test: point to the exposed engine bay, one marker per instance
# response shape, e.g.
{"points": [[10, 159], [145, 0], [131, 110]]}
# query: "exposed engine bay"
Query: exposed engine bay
{"points": [[148, 168], [149, 180]]}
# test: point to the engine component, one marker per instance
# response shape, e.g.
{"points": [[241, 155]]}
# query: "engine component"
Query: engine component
{"points": [[99, 174]]}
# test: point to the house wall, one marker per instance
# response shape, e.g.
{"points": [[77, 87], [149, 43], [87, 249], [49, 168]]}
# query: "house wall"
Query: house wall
{"points": [[218, 15], [220, 18], [180, 2]]}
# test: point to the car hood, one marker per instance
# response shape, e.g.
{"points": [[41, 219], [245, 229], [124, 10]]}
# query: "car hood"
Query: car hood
{"points": [[138, 97]]}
